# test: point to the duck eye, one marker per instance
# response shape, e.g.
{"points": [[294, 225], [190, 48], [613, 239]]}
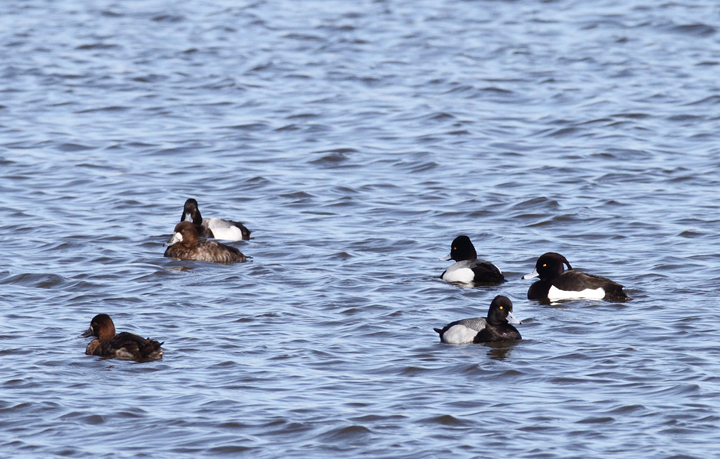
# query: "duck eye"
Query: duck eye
{"points": [[544, 265], [500, 308], [454, 248]]}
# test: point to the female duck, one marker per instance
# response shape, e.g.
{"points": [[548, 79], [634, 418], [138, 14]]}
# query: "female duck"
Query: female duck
{"points": [[467, 267], [185, 245], [126, 346], [557, 284], [496, 327], [217, 228]]}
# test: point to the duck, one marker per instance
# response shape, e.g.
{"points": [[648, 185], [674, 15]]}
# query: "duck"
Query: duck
{"points": [[124, 346], [185, 244], [215, 228], [556, 284], [467, 267], [493, 328]]}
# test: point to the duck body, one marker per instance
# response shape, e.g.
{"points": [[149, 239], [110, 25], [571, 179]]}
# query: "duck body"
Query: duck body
{"points": [[467, 267], [495, 327], [215, 228], [186, 245], [124, 346], [556, 284], [469, 271]]}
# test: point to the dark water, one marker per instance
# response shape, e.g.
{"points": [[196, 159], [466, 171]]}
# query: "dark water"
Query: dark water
{"points": [[357, 139]]}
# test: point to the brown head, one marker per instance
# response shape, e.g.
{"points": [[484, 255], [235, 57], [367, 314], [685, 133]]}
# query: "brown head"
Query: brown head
{"points": [[184, 234], [101, 326]]}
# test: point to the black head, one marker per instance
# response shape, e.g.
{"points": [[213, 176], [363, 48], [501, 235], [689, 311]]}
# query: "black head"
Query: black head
{"points": [[549, 266], [462, 249], [501, 311], [191, 212]]}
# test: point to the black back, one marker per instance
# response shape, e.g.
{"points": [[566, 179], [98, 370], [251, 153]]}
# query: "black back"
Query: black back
{"points": [[486, 272], [495, 333], [141, 348]]}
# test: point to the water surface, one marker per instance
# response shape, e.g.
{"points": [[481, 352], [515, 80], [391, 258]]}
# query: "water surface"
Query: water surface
{"points": [[356, 140]]}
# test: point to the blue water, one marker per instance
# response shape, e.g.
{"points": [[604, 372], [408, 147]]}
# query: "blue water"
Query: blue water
{"points": [[356, 140]]}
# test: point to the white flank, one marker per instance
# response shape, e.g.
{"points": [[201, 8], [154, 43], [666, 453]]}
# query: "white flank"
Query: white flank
{"points": [[459, 334], [123, 354], [464, 275], [589, 294], [223, 229], [232, 233]]}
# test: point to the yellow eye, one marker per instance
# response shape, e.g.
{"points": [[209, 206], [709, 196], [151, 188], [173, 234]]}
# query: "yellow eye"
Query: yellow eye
{"points": [[500, 307], [454, 248], [544, 264]]}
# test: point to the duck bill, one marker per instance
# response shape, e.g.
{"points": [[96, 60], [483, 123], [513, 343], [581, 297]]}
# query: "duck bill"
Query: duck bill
{"points": [[88, 332], [512, 319], [531, 275], [177, 237], [449, 257], [188, 217]]}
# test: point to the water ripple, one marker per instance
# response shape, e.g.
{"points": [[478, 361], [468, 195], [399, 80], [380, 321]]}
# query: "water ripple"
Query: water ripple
{"points": [[357, 140]]}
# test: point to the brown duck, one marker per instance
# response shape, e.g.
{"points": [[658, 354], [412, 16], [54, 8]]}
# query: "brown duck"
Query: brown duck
{"points": [[125, 346], [185, 244]]}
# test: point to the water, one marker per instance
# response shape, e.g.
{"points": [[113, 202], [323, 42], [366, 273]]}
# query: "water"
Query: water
{"points": [[356, 140]]}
